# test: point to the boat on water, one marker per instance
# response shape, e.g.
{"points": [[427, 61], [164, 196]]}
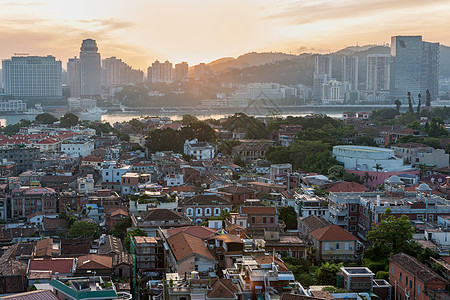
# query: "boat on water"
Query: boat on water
{"points": [[34, 111], [94, 111]]}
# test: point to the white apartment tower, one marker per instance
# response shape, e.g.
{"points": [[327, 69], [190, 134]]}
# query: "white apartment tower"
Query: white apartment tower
{"points": [[378, 72], [90, 69], [322, 74], [32, 77], [73, 77], [350, 71]]}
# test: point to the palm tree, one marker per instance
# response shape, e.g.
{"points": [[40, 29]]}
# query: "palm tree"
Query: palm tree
{"points": [[378, 167], [366, 178], [398, 103]]}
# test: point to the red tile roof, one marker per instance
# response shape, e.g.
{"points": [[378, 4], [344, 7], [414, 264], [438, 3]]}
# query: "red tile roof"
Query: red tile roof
{"points": [[56, 265], [185, 245], [346, 187], [197, 231], [258, 210], [333, 233], [94, 261]]}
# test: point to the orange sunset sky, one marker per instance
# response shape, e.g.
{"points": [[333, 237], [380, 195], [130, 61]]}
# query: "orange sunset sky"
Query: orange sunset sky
{"points": [[139, 31]]}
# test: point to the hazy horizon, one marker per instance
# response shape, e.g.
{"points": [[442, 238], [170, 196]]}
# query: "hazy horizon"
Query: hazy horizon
{"points": [[195, 31]]}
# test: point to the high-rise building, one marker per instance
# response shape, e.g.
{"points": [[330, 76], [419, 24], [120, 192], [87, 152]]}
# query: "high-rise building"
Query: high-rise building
{"points": [[116, 72], [350, 71], [90, 69], [202, 72], [182, 71], [322, 74], [73, 76], [32, 77], [378, 72], [414, 67], [162, 72]]}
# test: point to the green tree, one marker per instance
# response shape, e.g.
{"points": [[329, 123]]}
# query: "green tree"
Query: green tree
{"points": [[411, 109], [378, 167], [428, 98], [119, 229], [188, 119], [84, 229], [391, 235], [46, 118], [398, 103], [326, 273], [289, 216], [123, 136], [130, 234], [68, 120]]}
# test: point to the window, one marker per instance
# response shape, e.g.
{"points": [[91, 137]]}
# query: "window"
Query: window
{"points": [[346, 246], [393, 271], [410, 284], [337, 246], [271, 220], [253, 220], [264, 220], [406, 281], [352, 207], [352, 228], [400, 276], [327, 246], [418, 289], [352, 219]]}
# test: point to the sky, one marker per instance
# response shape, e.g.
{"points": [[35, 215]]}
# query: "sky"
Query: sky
{"points": [[140, 31]]}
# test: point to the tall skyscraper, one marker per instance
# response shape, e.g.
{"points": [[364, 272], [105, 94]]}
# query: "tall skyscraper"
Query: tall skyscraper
{"points": [[32, 77], [73, 77], [378, 72], [116, 72], [182, 72], [162, 72], [322, 74], [414, 67], [90, 69], [350, 71]]}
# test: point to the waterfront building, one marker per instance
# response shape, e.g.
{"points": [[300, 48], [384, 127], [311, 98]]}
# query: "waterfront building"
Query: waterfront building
{"points": [[90, 69], [322, 74], [181, 71], [350, 71], [414, 67], [73, 77], [32, 77], [378, 72], [162, 72]]}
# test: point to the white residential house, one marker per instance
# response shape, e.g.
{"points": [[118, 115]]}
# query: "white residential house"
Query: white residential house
{"points": [[86, 184], [200, 150], [174, 179], [77, 147], [112, 172]]}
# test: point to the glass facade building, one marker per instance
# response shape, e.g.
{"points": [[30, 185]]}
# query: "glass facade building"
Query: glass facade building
{"points": [[32, 77], [414, 67]]}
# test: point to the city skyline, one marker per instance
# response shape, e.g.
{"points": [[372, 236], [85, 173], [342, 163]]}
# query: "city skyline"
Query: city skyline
{"points": [[139, 32]]}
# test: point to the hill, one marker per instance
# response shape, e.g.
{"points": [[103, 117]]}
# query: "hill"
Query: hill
{"points": [[247, 60], [294, 69]]}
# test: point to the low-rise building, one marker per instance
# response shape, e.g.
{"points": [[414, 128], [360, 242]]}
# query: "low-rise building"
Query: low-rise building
{"points": [[27, 200], [154, 218], [333, 243], [420, 154], [77, 147], [199, 150], [148, 254], [187, 253], [202, 207], [413, 280]]}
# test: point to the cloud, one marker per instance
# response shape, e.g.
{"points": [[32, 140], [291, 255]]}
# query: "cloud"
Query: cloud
{"points": [[38, 36], [304, 12]]}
